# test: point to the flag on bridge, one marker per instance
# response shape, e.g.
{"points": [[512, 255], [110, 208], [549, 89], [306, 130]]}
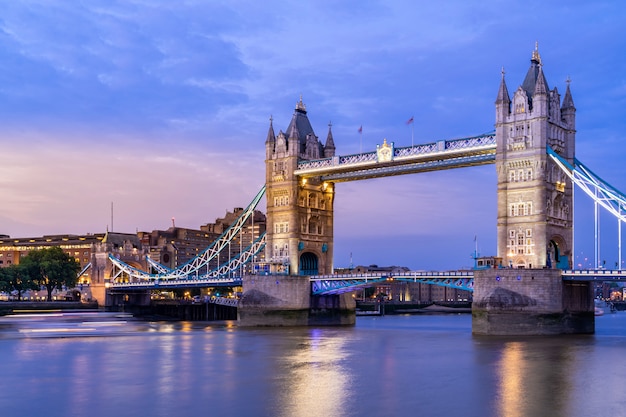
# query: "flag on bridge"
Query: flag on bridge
{"points": [[410, 121], [361, 129]]}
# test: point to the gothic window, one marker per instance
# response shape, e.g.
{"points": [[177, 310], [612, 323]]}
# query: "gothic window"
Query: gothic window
{"points": [[520, 175], [314, 226], [512, 176], [529, 175]]}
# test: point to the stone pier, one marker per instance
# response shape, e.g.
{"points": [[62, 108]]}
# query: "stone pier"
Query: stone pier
{"points": [[286, 300], [530, 302]]}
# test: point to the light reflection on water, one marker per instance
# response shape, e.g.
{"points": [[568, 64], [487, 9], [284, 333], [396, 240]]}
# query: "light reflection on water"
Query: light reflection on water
{"points": [[394, 365], [314, 371]]}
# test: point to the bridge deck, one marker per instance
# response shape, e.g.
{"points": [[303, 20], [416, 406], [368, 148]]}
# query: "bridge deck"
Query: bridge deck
{"points": [[444, 154]]}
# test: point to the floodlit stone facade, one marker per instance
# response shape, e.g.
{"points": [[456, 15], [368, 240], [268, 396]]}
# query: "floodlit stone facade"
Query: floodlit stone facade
{"points": [[299, 211], [535, 200]]}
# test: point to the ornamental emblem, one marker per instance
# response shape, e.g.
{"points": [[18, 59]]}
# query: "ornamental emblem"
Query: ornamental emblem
{"points": [[384, 152]]}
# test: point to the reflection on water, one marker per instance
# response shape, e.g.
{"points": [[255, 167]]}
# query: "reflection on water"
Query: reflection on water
{"points": [[534, 376], [393, 365], [315, 372]]}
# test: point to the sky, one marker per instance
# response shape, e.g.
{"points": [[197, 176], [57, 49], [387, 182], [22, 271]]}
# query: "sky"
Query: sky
{"points": [[160, 110]]}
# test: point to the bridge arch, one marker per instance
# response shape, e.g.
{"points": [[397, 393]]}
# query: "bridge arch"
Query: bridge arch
{"points": [[557, 253], [309, 264]]}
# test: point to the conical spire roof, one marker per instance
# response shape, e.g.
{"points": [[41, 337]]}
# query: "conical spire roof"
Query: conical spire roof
{"points": [[300, 122], [503, 92], [271, 138], [330, 142], [541, 86], [534, 73], [568, 102]]}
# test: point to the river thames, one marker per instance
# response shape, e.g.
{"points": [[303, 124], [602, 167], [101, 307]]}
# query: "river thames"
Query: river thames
{"points": [[410, 365]]}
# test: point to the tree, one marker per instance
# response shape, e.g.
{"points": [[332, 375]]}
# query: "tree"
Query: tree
{"points": [[51, 268], [14, 278]]}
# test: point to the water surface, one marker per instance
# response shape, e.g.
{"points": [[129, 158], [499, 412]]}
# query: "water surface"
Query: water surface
{"points": [[426, 365]]}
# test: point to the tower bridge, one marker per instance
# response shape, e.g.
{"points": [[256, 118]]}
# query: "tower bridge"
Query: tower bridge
{"points": [[532, 147]]}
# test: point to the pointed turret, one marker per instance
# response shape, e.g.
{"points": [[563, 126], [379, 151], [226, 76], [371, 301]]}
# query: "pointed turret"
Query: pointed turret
{"points": [[329, 148], [568, 111], [541, 86], [503, 92], [503, 101], [533, 75], [293, 140], [540, 94], [292, 132], [300, 124], [270, 141], [271, 138], [568, 102]]}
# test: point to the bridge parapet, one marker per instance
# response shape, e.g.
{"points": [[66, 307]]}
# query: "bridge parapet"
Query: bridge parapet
{"points": [[594, 275], [403, 155]]}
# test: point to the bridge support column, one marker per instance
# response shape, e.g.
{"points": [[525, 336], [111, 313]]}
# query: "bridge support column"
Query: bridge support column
{"points": [[119, 300], [280, 300], [530, 302]]}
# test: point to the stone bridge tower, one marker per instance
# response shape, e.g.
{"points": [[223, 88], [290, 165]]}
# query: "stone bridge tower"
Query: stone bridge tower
{"points": [[299, 236], [299, 211], [535, 200], [527, 295]]}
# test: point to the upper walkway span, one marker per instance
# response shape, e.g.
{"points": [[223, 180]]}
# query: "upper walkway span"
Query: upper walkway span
{"points": [[388, 160]]}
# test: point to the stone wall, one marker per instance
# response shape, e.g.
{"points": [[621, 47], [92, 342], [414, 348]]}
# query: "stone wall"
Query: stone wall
{"points": [[529, 301], [279, 300]]}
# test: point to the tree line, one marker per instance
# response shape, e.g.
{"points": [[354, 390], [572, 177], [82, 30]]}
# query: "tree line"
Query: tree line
{"points": [[48, 268]]}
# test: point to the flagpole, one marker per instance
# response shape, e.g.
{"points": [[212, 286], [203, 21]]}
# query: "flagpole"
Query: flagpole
{"points": [[361, 139], [411, 122]]}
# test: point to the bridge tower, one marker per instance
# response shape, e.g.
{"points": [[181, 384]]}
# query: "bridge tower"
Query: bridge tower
{"points": [[299, 236], [299, 211], [535, 200], [535, 218]]}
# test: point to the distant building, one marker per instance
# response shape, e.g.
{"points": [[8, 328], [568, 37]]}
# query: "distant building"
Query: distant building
{"points": [[254, 227], [407, 291], [90, 251], [171, 248]]}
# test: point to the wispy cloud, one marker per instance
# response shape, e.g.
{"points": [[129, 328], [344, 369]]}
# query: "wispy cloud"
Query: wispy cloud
{"points": [[162, 107]]}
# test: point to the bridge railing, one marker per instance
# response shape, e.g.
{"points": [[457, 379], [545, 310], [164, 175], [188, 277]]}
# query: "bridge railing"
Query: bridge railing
{"points": [[594, 274], [487, 141]]}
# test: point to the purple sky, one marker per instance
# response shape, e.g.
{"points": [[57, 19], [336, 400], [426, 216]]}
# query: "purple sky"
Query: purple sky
{"points": [[162, 109]]}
